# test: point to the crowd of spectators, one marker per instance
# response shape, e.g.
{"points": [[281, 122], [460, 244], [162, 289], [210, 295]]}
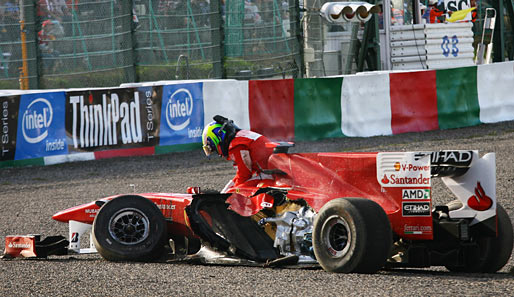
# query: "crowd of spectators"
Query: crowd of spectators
{"points": [[9, 32], [255, 11], [57, 20], [9, 17]]}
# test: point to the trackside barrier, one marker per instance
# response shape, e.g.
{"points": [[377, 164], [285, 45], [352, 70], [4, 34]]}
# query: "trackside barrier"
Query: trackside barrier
{"points": [[55, 126], [408, 47], [432, 46], [449, 45]]}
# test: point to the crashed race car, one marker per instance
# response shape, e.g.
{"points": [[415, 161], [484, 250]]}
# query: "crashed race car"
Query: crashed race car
{"points": [[349, 212]]}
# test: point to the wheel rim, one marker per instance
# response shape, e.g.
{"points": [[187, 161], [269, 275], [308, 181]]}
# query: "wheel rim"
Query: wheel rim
{"points": [[129, 226], [337, 236]]}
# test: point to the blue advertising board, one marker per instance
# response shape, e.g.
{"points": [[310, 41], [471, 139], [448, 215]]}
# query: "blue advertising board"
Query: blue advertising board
{"points": [[41, 130], [181, 114]]}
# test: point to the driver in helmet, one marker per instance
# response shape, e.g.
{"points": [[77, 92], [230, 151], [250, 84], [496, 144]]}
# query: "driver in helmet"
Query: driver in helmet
{"points": [[247, 149]]}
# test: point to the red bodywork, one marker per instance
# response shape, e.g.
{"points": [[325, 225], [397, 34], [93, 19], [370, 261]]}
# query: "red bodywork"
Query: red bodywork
{"points": [[314, 177]]}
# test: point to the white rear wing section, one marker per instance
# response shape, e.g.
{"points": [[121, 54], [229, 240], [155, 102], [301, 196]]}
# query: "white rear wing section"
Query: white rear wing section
{"points": [[476, 189]]}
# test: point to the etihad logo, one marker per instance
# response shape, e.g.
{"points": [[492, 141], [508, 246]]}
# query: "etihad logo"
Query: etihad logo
{"points": [[36, 121], [452, 157], [97, 124], [416, 209], [179, 109]]}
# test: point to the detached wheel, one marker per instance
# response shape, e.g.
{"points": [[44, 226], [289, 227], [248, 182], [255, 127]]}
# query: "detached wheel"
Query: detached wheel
{"points": [[494, 252], [129, 228], [352, 235]]}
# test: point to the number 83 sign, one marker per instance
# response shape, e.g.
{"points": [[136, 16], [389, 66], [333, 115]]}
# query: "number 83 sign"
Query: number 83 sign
{"points": [[449, 46]]}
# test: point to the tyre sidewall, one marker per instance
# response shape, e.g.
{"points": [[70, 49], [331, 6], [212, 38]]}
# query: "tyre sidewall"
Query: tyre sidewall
{"points": [[353, 256], [110, 248], [500, 247]]}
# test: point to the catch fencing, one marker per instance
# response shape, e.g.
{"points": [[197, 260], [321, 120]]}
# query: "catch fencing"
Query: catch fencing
{"points": [[101, 43]]}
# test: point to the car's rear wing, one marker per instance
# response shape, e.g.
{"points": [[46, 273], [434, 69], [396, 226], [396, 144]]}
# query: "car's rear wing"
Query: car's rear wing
{"points": [[448, 162], [474, 186]]}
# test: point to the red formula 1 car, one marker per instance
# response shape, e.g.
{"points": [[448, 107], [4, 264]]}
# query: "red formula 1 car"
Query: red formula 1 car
{"points": [[349, 212]]}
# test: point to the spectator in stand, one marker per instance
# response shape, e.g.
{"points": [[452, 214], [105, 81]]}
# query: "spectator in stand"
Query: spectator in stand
{"points": [[43, 12], [52, 9], [50, 31], [9, 19], [397, 17], [166, 7], [436, 11], [201, 10], [72, 5], [269, 12], [62, 13], [252, 14]]}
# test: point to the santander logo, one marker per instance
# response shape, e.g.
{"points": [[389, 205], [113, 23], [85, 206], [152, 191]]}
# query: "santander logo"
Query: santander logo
{"points": [[480, 201], [385, 180]]}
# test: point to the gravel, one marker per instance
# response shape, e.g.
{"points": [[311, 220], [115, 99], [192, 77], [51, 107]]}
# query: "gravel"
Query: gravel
{"points": [[31, 195]]}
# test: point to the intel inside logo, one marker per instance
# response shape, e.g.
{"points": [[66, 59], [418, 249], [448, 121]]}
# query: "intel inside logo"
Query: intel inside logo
{"points": [[37, 119], [41, 130], [179, 109]]}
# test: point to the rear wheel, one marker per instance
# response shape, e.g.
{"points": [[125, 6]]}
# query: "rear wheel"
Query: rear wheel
{"points": [[494, 252], [129, 228], [352, 235]]}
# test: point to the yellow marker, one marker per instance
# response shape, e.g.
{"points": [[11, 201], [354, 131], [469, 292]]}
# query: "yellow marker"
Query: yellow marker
{"points": [[460, 14]]}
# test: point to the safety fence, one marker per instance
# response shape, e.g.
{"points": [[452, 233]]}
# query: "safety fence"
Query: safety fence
{"points": [[42, 128], [103, 43]]}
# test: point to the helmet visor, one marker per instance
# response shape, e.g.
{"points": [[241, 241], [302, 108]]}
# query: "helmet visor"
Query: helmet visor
{"points": [[207, 149]]}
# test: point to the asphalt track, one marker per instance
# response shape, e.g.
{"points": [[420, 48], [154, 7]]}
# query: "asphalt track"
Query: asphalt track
{"points": [[30, 196]]}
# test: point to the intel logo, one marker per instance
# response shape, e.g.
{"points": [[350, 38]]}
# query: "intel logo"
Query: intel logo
{"points": [[37, 118], [179, 109]]}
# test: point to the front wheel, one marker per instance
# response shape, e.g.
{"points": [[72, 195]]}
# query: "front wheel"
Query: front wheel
{"points": [[129, 228], [352, 235]]}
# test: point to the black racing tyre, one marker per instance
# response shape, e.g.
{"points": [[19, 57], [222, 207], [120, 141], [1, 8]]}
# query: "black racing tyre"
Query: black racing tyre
{"points": [[494, 251], [352, 235], [129, 228]]}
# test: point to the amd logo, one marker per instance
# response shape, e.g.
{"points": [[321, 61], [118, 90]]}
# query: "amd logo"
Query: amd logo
{"points": [[416, 194]]}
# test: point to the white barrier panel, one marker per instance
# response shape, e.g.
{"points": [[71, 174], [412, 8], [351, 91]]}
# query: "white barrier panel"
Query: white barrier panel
{"points": [[58, 159], [432, 46], [449, 45], [495, 96], [228, 98], [408, 47], [365, 105]]}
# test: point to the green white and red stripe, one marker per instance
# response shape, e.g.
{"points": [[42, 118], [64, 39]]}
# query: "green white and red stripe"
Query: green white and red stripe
{"points": [[362, 105]]}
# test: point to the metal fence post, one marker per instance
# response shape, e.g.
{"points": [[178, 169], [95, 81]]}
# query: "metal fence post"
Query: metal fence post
{"points": [[499, 37], [127, 8], [217, 40], [297, 31], [29, 44]]}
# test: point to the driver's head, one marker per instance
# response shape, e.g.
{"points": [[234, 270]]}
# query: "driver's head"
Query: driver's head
{"points": [[212, 137]]}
